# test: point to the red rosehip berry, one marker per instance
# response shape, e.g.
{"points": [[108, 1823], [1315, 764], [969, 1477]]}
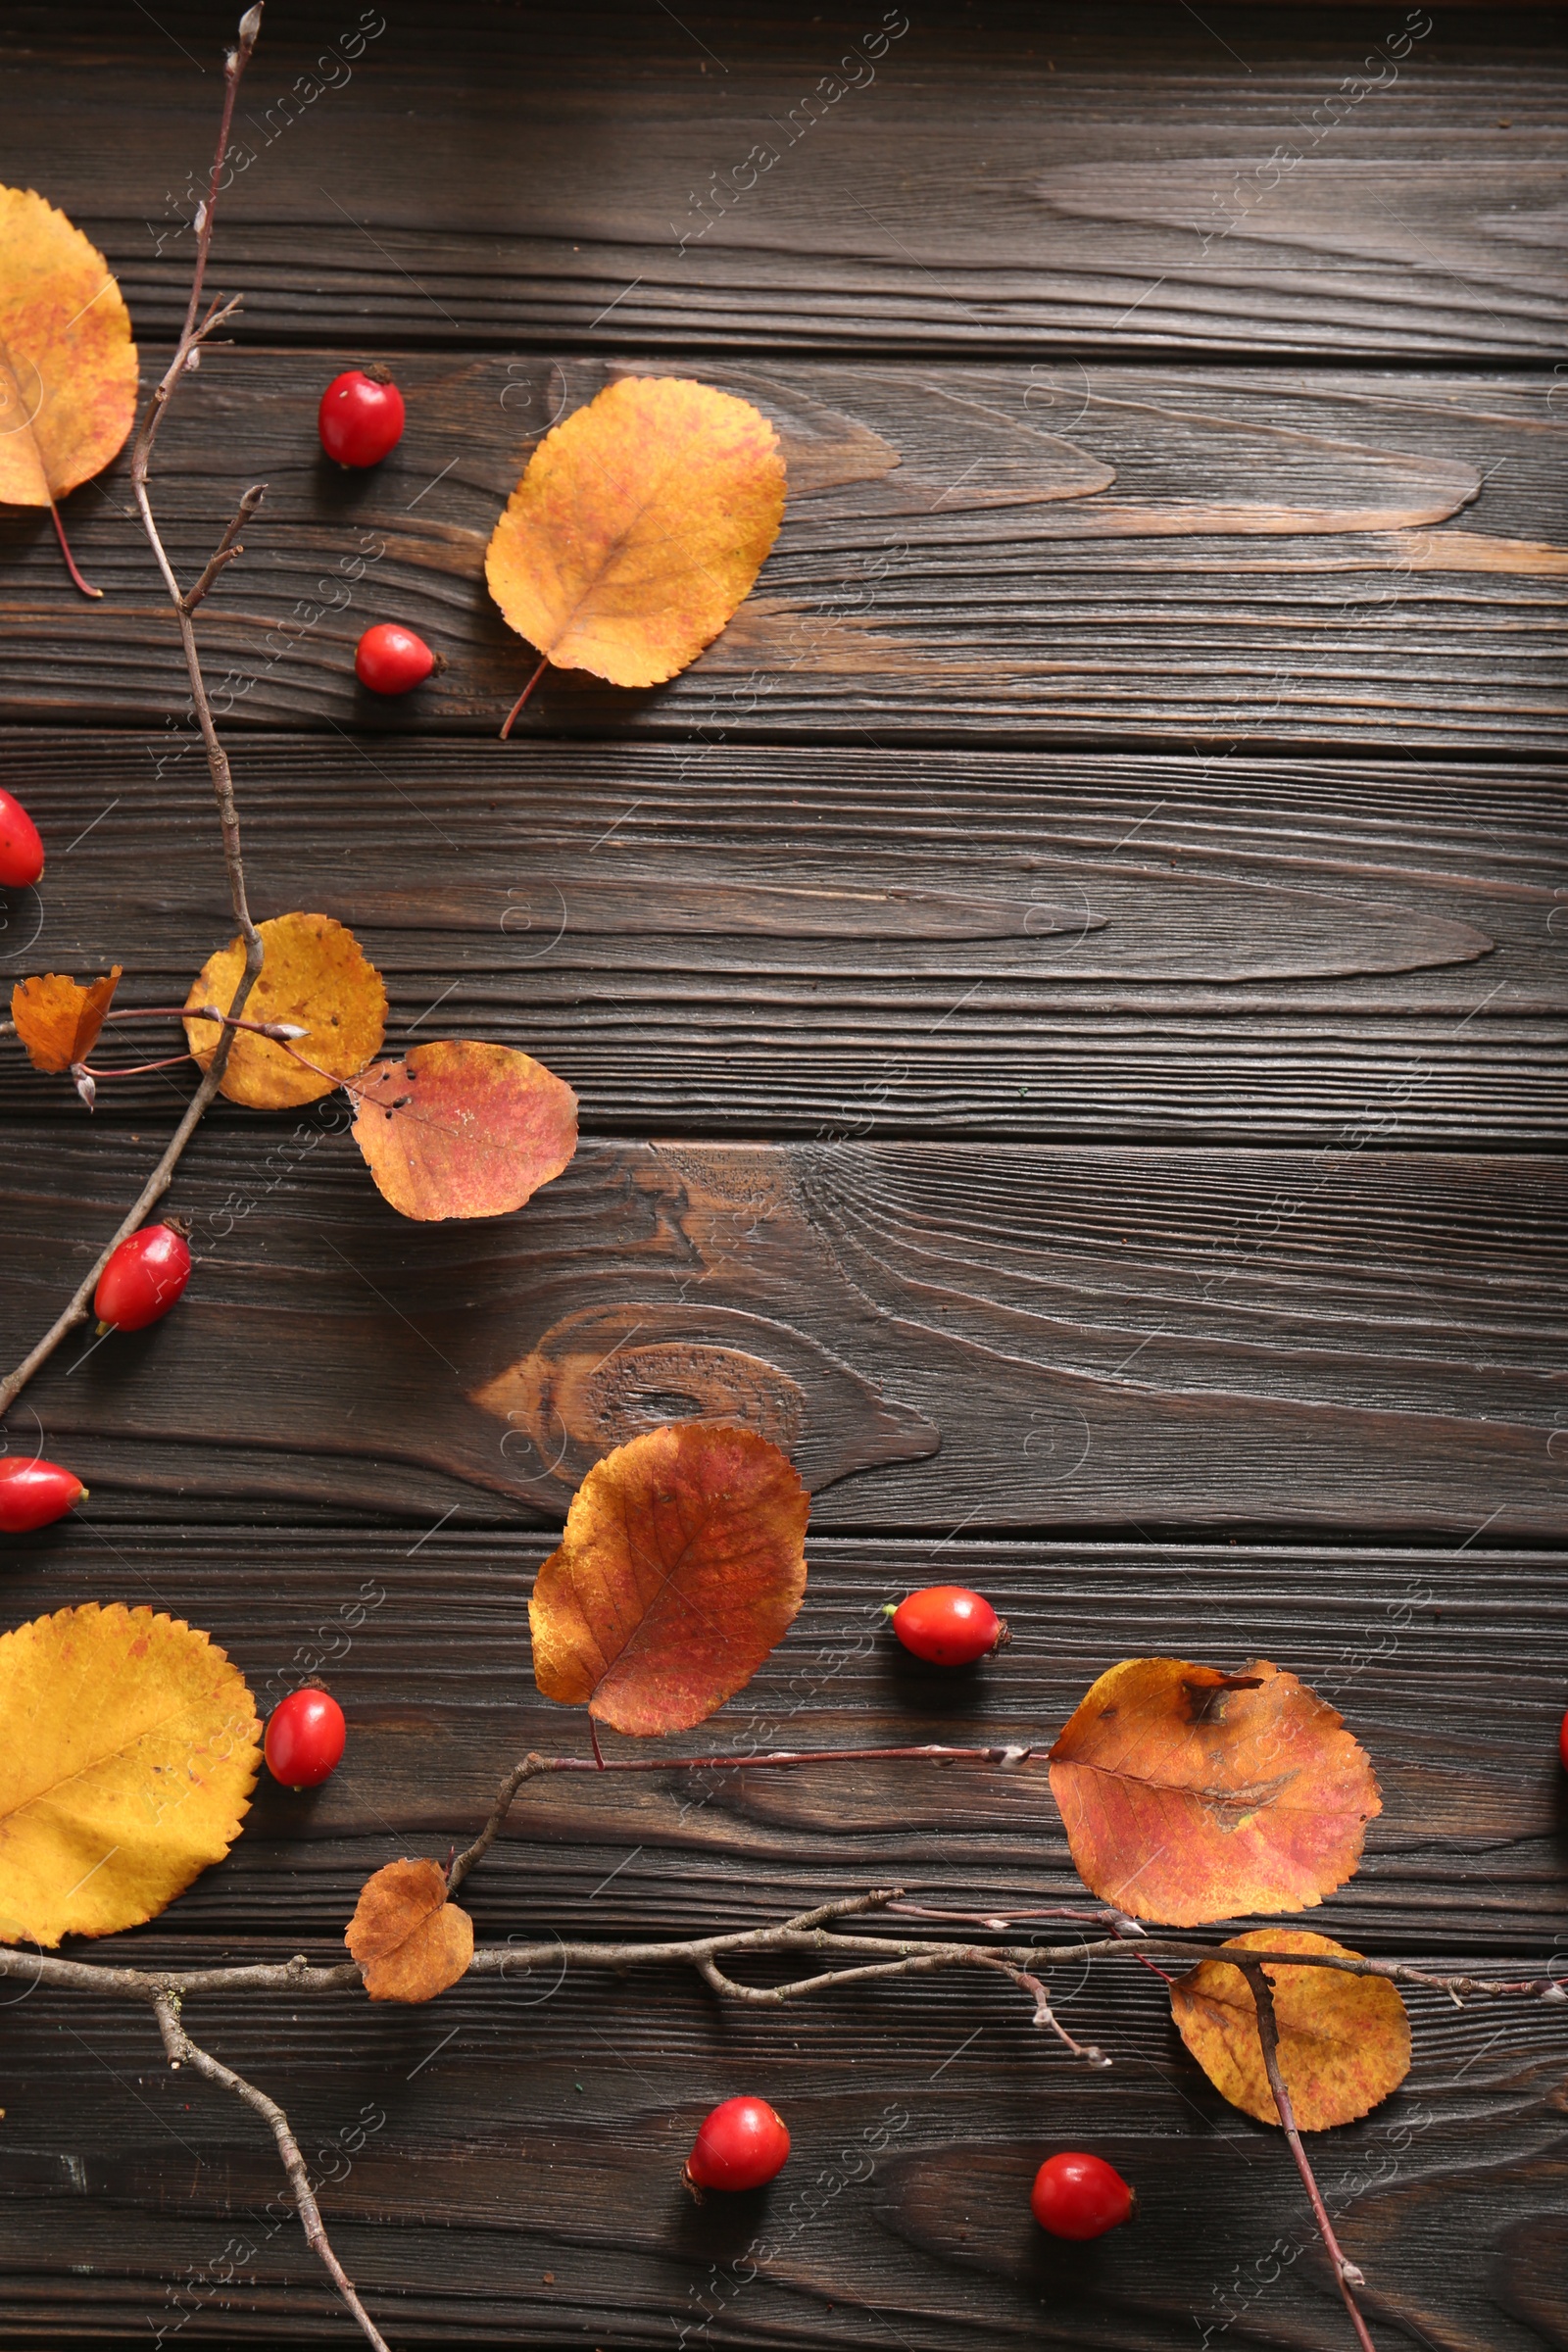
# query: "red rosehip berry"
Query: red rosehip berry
{"points": [[360, 416], [305, 1736], [143, 1278], [390, 659], [21, 850], [31, 1494], [741, 2144], [1075, 2195], [950, 1625]]}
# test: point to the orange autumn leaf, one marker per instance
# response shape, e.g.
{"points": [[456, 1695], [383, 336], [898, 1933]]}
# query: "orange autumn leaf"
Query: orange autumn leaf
{"points": [[459, 1129], [1343, 2041], [1189, 1795], [58, 1020], [640, 524], [683, 1563], [409, 1941], [68, 365], [130, 1748], [314, 974]]}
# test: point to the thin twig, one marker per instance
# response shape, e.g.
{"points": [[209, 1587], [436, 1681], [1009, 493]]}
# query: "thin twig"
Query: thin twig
{"points": [[1045, 2014], [777, 1760], [153, 1191], [1346, 2272], [159, 1181], [227, 548], [282, 1033], [1118, 1921], [183, 2051]]}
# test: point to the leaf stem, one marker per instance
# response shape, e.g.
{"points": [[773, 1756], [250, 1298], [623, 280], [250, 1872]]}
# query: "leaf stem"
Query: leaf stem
{"points": [[65, 550], [524, 697]]}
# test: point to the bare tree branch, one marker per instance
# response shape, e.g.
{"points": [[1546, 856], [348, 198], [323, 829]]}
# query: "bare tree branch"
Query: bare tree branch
{"points": [[1345, 2274], [183, 2051], [816, 1933], [186, 354]]}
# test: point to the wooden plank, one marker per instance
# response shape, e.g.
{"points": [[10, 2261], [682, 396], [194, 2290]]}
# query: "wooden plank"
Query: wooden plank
{"points": [[424, 1636], [1020, 553], [520, 2185], [536, 2128], [989, 1337], [1251, 179], [858, 943]]}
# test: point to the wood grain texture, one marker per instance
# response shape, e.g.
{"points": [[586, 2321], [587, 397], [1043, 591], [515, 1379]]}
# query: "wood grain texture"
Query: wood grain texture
{"points": [[1305, 179], [1139, 1198], [536, 2126], [1031, 552], [989, 1337], [553, 2213], [861, 944]]}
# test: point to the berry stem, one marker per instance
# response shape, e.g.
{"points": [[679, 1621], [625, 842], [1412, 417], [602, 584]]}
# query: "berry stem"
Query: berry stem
{"points": [[65, 550], [524, 697], [1346, 2272]]}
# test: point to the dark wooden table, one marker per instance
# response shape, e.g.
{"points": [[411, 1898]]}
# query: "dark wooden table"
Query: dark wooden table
{"points": [[1066, 1001]]}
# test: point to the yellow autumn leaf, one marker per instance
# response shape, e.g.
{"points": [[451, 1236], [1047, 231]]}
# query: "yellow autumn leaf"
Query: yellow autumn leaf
{"points": [[128, 1749], [638, 527], [315, 976], [1343, 2040], [68, 365]]}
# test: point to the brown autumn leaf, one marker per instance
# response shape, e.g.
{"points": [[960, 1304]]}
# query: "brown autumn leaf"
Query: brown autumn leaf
{"points": [[459, 1129], [638, 527], [313, 972], [683, 1563], [409, 1941], [68, 365], [1345, 2042], [1189, 1795], [58, 1020], [128, 1749]]}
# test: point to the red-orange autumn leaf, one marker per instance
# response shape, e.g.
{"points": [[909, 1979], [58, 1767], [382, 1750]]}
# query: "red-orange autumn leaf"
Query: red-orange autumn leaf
{"points": [[459, 1129], [1189, 1795], [409, 1941], [58, 1020], [638, 527], [68, 365], [683, 1563], [1343, 2041]]}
